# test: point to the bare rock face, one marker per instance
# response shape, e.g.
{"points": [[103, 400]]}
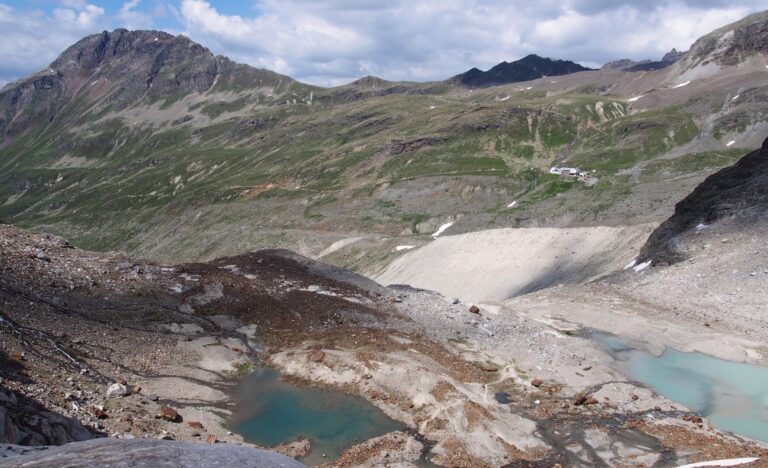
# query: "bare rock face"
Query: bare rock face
{"points": [[25, 422], [121, 453]]}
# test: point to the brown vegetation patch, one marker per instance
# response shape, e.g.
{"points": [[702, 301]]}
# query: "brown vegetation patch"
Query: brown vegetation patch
{"points": [[457, 455], [441, 390]]}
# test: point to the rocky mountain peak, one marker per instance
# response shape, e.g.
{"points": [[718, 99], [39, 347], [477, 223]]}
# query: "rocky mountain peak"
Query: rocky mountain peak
{"points": [[138, 59], [530, 67]]}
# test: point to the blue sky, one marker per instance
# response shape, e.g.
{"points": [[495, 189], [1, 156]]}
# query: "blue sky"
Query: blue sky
{"points": [[329, 42]]}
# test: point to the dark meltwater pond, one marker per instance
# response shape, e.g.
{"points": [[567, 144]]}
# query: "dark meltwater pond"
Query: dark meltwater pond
{"points": [[732, 395], [272, 412]]}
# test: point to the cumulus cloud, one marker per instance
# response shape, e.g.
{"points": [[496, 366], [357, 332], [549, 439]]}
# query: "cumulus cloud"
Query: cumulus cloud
{"points": [[334, 41], [133, 19], [33, 39]]}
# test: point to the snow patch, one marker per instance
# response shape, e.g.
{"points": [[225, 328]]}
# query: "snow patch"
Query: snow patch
{"points": [[730, 143], [630, 264], [432, 107], [642, 266], [727, 462], [635, 99], [701, 226], [512, 205], [504, 98], [735, 97], [442, 229], [400, 248], [529, 87], [681, 85]]}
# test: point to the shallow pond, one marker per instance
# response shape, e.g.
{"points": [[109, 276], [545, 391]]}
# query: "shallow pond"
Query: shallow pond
{"points": [[732, 395], [272, 412]]}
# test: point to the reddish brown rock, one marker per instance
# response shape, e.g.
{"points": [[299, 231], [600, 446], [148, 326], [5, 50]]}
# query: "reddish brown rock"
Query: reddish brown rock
{"points": [[580, 398], [211, 439], [99, 413], [295, 449], [537, 382], [316, 355], [195, 424], [474, 309], [169, 414]]}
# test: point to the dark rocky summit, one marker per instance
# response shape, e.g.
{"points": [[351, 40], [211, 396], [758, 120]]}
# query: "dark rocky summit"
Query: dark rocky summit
{"points": [[738, 194], [528, 68]]}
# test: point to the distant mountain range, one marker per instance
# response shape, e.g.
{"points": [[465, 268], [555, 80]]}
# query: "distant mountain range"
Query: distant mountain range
{"points": [[527, 68], [669, 58]]}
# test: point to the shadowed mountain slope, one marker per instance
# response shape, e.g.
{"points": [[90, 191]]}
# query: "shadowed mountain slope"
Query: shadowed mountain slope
{"points": [[738, 194]]}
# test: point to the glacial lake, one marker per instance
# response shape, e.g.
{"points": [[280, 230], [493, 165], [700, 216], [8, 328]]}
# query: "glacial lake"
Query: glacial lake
{"points": [[271, 412], [733, 396]]}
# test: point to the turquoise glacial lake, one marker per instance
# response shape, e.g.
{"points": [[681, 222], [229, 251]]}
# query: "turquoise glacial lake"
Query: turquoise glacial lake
{"points": [[733, 396], [271, 412]]}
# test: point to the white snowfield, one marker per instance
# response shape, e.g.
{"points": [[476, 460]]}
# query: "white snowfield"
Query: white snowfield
{"points": [[498, 264], [727, 462], [442, 229], [642, 266], [634, 99], [400, 248], [681, 85], [512, 205], [730, 143]]}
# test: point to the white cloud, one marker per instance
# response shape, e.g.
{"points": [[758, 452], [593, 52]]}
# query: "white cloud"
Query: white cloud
{"points": [[32, 39], [133, 19], [84, 17]]}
